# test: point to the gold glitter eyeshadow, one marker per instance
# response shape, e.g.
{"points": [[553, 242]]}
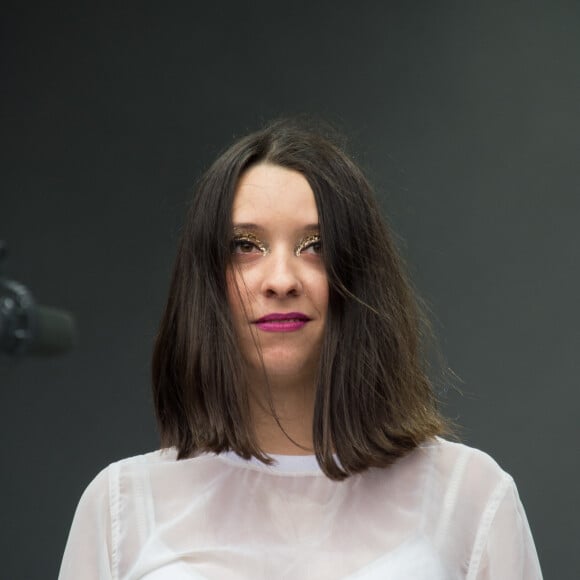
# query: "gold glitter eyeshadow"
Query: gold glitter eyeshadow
{"points": [[264, 248], [250, 239], [305, 243]]}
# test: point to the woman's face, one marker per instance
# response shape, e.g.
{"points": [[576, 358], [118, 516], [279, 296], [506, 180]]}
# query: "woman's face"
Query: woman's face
{"points": [[277, 284]]}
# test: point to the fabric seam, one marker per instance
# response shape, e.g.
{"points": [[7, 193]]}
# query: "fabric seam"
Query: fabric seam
{"points": [[485, 524], [114, 500], [450, 498]]}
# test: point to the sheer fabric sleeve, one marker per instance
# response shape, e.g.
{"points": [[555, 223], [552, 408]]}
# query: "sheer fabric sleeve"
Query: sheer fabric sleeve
{"points": [[88, 553], [505, 547]]}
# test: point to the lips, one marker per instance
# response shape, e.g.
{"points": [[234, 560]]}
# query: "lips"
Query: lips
{"points": [[283, 316], [282, 321]]}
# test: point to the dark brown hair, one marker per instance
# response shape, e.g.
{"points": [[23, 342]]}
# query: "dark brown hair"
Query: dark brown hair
{"points": [[374, 401]]}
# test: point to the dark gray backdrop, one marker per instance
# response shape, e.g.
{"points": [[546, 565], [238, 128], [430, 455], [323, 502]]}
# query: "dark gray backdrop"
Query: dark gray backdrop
{"points": [[465, 113]]}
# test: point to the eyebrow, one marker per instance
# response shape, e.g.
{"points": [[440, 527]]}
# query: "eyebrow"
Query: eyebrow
{"points": [[250, 226]]}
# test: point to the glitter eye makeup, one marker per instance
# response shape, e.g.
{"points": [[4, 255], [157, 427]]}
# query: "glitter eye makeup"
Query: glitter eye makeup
{"points": [[245, 242], [307, 242]]}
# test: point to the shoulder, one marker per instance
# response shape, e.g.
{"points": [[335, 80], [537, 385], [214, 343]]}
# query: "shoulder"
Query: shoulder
{"points": [[114, 491], [104, 484], [478, 505], [453, 459], [148, 460], [472, 511], [465, 478]]}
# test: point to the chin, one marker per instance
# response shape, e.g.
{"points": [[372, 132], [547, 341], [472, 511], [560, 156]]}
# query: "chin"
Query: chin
{"points": [[284, 366]]}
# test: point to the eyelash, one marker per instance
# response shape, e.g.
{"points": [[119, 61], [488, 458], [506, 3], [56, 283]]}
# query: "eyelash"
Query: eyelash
{"points": [[252, 242], [309, 242]]}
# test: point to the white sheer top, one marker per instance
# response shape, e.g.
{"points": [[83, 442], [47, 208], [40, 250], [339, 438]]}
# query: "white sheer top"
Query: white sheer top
{"points": [[443, 512]]}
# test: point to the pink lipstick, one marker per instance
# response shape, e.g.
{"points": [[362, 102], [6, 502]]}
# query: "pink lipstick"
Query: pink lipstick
{"points": [[282, 322]]}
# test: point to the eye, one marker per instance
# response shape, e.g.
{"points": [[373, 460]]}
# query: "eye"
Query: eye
{"points": [[310, 245], [243, 247], [247, 244]]}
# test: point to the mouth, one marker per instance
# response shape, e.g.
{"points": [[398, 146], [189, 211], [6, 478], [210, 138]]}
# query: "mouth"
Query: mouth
{"points": [[282, 322]]}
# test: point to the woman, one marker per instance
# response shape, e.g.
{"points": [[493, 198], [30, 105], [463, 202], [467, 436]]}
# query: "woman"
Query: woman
{"points": [[300, 434]]}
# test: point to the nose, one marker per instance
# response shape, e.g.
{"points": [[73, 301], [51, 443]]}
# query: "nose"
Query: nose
{"points": [[281, 276]]}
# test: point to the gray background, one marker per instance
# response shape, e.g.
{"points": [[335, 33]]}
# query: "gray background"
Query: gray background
{"points": [[466, 115]]}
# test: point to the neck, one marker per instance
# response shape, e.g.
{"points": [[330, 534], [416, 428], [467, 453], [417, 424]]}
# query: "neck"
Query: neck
{"points": [[282, 412]]}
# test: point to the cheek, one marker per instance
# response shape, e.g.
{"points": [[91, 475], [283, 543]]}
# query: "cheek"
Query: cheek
{"points": [[238, 295], [233, 293], [318, 291]]}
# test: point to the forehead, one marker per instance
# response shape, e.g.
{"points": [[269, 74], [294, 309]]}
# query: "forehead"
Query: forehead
{"points": [[269, 193]]}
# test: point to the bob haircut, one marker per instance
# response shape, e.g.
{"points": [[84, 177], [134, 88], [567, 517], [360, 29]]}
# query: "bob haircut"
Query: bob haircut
{"points": [[374, 401]]}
